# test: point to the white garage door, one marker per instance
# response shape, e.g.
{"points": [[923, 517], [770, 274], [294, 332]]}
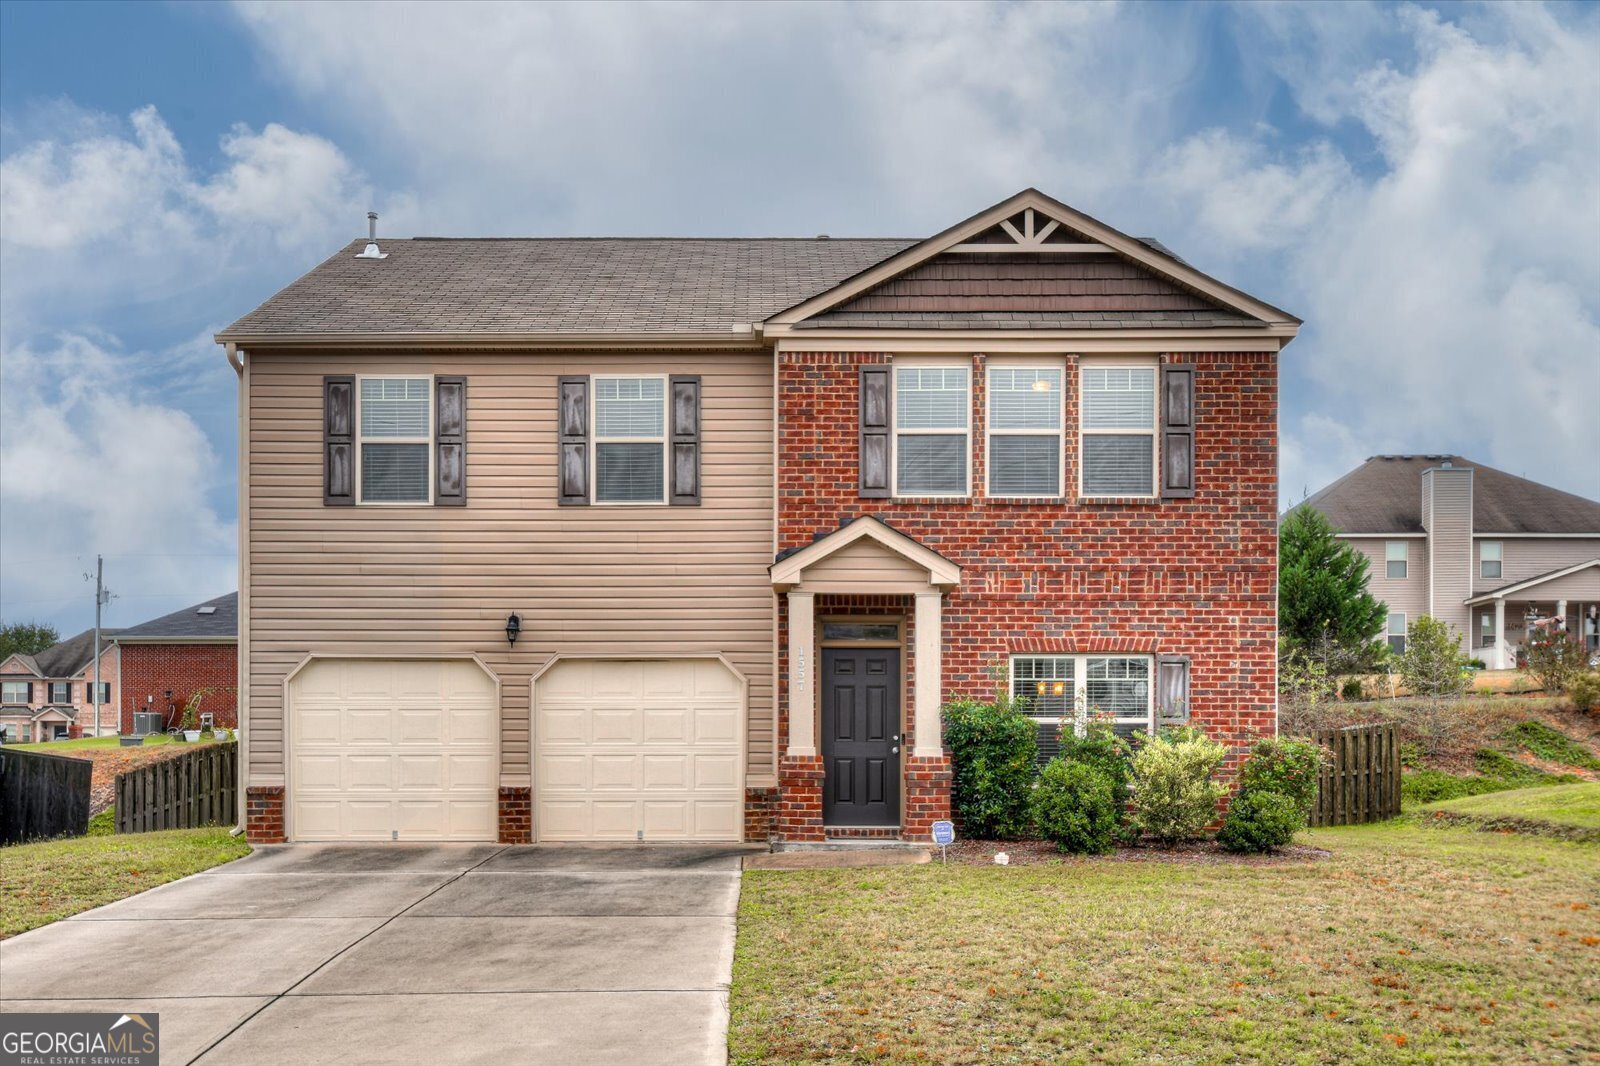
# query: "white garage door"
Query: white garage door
{"points": [[638, 751], [393, 749]]}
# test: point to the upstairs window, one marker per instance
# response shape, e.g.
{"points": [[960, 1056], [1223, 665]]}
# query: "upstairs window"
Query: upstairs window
{"points": [[1394, 554], [15, 692], [1396, 633], [60, 692], [1117, 426], [932, 452], [630, 439], [395, 420], [1024, 453], [1489, 558]]}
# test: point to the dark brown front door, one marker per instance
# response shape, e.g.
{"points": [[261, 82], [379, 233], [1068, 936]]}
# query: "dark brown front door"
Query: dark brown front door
{"points": [[861, 736]]}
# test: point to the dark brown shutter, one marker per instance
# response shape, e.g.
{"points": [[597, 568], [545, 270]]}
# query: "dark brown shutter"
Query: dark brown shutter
{"points": [[572, 423], [338, 447], [30, 691], [450, 441], [1177, 431], [1172, 689], [685, 414], [876, 395]]}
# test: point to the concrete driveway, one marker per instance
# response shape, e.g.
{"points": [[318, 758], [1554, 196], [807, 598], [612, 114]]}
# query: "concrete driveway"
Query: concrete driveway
{"points": [[410, 953]]}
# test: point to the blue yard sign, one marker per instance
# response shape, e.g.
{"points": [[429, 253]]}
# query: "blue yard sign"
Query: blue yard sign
{"points": [[944, 834]]}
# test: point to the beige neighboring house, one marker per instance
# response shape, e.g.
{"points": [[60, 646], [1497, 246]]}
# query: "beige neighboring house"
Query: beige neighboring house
{"points": [[47, 696], [1490, 553]]}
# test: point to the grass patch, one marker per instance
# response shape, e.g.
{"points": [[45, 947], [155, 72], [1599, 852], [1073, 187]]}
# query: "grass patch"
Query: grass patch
{"points": [[1409, 944], [1575, 805], [55, 879], [82, 743], [1551, 745], [103, 824], [1497, 772]]}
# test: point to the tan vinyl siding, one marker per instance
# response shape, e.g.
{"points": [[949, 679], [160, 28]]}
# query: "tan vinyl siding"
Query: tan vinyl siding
{"points": [[1447, 516], [1525, 557], [867, 568], [1409, 594], [628, 581]]}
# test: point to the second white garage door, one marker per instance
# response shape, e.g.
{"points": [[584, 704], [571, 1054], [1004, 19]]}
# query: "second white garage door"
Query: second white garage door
{"points": [[393, 749], [638, 750]]}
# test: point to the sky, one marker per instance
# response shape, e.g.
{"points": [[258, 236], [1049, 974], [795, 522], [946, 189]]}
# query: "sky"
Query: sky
{"points": [[1419, 183]]}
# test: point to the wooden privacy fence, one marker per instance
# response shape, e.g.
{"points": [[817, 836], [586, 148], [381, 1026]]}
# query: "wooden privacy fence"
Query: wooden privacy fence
{"points": [[1360, 779], [42, 796], [199, 787]]}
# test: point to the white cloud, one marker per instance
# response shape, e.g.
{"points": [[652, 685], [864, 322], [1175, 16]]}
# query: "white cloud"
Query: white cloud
{"points": [[91, 463], [1452, 293]]}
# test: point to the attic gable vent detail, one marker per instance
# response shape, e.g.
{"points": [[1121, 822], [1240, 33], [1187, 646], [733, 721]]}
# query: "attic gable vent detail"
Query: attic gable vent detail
{"points": [[1029, 232]]}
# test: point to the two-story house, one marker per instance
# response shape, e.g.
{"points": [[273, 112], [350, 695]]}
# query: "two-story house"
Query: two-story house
{"points": [[50, 695], [684, 539], [1490, 553]]}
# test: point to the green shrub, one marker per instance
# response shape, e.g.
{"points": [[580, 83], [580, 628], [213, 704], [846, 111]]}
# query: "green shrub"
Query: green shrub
{"points": [[1075, 807], [1261, 821], [1584, 690], [1555, 658], [1101, 748], [1174, 792], [1431, 786], [1431, 664], [1285, 766], [992, 751], [1351, 689]]}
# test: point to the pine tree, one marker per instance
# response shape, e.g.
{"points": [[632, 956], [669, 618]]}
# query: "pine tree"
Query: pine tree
{"points": [[1322, 587]]}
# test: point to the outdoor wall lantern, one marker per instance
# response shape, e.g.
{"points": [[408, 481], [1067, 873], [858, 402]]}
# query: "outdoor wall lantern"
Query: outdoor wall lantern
{"points": [[513, 628]]}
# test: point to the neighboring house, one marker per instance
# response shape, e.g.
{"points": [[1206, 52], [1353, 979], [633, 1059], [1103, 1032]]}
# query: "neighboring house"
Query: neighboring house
{"points": [[1485, 551], [169, 659], [684, 539], [49, 695]]}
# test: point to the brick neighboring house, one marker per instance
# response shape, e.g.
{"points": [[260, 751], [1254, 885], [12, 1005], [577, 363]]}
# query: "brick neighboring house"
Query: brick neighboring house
{"points": [[1491, 554], [48, 696], [168, 659], [688, 539]]}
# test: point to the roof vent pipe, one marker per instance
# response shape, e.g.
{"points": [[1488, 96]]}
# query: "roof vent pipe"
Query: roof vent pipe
{"points": [[371, 250]]}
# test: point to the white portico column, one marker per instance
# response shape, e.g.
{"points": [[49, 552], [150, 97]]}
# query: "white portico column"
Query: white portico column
{"points": [[929, 674], [1500, 634], [802, 719], [1561, 613]]}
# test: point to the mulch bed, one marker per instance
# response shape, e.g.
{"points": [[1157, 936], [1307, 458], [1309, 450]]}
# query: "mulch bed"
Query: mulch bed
{"points": [[1197, 853]]}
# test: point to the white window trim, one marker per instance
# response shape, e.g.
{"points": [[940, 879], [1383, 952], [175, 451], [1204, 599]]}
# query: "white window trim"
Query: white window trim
{"points": [[23, 685], [1404, 560], [1154, 432], [1500, 553], [594, 452], [50, 692], [1060, 432], [361, 440], [918, 363], [1080, 686], [1405, 630]]}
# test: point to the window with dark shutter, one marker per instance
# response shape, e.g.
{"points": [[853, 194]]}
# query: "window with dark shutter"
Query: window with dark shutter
{"points": [[450, 441], [685, 416], [338, 449], [572, 423], [874, 432], [1177, 432], [1172, 690]]}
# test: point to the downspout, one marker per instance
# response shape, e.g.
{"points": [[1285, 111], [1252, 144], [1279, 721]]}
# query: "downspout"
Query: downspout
{"points": [[242, 697]]}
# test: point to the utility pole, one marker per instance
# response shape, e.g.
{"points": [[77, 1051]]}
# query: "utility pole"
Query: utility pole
{"points": [[100, 599]]}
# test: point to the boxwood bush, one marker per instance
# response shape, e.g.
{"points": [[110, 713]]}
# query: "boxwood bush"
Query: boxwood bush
{"points": [[1075, 808], [1260, 821], [993, 748], [1175, 793], [1277, 786]]}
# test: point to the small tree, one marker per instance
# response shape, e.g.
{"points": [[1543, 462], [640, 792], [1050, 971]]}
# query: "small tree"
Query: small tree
{"points": [[1433, 664], [1322, 587], [1555, 658], [26, 638]]}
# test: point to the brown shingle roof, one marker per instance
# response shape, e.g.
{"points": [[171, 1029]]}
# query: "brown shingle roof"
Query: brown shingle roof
{"points": [[1384, 495], [560, 285]]}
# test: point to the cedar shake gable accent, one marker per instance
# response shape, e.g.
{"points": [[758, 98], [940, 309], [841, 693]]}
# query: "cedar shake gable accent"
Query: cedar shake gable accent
{"points": [[1384, 495]]}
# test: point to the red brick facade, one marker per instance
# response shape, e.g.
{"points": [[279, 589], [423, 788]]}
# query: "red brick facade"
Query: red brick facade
{"points": [[263, 806], [1193, 577], [516, 815], [150, 670]]}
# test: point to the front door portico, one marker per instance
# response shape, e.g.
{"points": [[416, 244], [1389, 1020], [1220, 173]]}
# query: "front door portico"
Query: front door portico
{"points": [[861, 736]]}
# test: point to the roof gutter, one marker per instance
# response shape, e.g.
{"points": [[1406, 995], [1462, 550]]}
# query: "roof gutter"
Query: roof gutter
{"points": [[740, 336]]}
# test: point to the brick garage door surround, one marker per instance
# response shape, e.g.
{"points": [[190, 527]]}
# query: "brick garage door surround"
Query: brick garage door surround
{"points": [[152, 669], [1194, 577]]}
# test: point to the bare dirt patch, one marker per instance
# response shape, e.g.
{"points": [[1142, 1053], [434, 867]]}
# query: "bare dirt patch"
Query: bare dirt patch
{"points": [[109, 762]]}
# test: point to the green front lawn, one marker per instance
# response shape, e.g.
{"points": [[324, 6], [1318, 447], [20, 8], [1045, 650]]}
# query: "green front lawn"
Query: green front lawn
{"points": [[42, 883], [153, 740], [1564, 805], [1408, 943]]}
